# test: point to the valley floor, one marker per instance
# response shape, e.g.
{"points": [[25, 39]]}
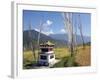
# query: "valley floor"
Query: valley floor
{"points": [[81, 58]]}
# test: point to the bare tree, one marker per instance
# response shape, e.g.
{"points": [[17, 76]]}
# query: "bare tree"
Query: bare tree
{"points": [[31, 41], [75, 35], [69, 28], [38, 40], [80, 28]]}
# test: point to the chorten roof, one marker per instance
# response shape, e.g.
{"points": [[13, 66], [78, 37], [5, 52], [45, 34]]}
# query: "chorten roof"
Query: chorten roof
{"points": [[48, 43]]}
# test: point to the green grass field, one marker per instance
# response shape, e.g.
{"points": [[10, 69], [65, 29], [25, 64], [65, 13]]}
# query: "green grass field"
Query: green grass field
{"points": [[29, 57], [61, 52], [81, 58]]}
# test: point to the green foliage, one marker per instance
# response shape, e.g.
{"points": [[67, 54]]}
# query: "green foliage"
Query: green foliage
{"points": [[28, 64], [28, 60], [68, 61], [61, 52]]}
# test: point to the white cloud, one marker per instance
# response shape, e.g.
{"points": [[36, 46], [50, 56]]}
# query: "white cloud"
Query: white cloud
{"points": [[46, 29], [63, 31], [49, 22], [45, 32], [36, 30]]}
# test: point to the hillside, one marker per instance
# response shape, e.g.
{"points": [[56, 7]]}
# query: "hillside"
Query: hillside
{"points": [[60, 40], [87, 39], [43, 38]]}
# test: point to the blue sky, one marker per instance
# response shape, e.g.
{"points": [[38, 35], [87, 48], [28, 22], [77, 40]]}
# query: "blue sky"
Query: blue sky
{"points": [[53, 22]]}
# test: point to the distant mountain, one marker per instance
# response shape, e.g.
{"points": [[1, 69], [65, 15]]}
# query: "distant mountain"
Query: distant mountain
{"points": [[34, 37], [59, 36], [43, 38], [60, 40], [65, 38]]}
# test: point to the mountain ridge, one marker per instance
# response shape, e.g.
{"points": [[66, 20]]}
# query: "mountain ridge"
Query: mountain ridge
{"points": [[60, 40], [43, 38]]}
